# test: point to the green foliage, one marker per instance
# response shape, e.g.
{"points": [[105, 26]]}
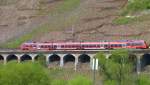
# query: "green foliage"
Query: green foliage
{"points": [[67, 5], [123, 20], [41, 60], [110, 82], [117, 69], [136, 5], [143, 80], [80, 80], [7, 2], [59, 82], [23, 74]]}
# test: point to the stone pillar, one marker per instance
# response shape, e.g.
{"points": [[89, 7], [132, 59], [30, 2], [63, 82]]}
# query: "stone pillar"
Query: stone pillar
{"points": [[91, 59], [19, 57], [5, 57], [76, 61], [61, 59], [47, 58], [33, 57], [107, 56], [138, 64]]}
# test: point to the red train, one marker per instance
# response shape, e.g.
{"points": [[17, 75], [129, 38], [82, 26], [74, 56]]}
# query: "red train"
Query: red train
{"points": [[135, 44]]}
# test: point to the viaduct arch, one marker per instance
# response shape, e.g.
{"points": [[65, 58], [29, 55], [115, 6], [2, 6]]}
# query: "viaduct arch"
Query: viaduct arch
{"points": [[142, 58]]}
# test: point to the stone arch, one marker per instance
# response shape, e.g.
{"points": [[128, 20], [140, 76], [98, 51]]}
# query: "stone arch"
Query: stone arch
{"points": [[69, 58], [132, 58], [84, 58], [145, 61], [12, 57], [26, 57], [54, 58], [39, 57]]}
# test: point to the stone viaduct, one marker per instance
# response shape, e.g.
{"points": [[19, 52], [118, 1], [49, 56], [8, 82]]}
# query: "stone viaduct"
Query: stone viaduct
{"points": [[76, 56]]}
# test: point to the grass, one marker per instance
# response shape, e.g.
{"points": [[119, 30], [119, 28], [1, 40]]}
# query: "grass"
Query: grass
{"points": [[68, 5], [123, 20], [7, 2], [65, 6], [132, 7], [136, 5], [58, 22]]}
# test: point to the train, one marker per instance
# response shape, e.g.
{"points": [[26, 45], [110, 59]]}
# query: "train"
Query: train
{"points": [[105, 44]]}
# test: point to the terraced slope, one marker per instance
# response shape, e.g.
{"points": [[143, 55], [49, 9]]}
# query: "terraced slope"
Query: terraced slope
{"points": [[67, 20]]}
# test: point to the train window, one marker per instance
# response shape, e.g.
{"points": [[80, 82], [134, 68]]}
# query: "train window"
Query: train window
{"points": [[98, 46], [34, 45], [112, 45], [119, 45], [123, 45], [42, 46], [128, 44], [26, 45], [105, 45], [62, 46], [55, 46], [101, 45], [116, 45], [70, 46]]}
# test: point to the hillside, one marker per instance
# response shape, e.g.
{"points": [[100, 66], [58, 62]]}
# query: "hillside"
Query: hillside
{"points": [[69, 20]]}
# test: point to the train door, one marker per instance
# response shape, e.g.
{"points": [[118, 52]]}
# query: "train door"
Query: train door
{"points": [[54, 47], [38, 47], [124, 45]]}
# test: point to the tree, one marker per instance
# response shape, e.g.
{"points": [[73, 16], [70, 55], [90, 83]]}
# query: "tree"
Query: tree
{"points": [[23, 74], [118, 69]]}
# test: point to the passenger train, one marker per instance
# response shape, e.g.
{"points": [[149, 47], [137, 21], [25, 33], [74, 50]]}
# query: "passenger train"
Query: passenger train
{"points": [[47, 46]]}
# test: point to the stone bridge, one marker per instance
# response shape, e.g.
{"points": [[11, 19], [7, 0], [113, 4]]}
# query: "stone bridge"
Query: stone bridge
{"points": [[75, 56]]}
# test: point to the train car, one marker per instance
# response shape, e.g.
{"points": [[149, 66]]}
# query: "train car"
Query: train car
{"points": [[129, 44]]}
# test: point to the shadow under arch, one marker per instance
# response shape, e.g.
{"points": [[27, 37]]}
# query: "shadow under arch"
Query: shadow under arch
{"points": [[69, 58], [54, 58], [1, 59], [40, 57], [84, 58], [26, 57], [133, 58], [145, 61], [12, 57]]}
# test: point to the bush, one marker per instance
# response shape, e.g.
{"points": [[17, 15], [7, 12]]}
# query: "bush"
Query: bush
{"points": [[23, 74], [58, 82], [80, 80], [137, 5]]}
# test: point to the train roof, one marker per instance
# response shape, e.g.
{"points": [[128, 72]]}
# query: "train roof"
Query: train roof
{"points": [[101, 41]]}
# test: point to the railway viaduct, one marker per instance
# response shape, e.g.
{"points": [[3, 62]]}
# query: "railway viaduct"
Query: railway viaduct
{"points": [[76, 56]]}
